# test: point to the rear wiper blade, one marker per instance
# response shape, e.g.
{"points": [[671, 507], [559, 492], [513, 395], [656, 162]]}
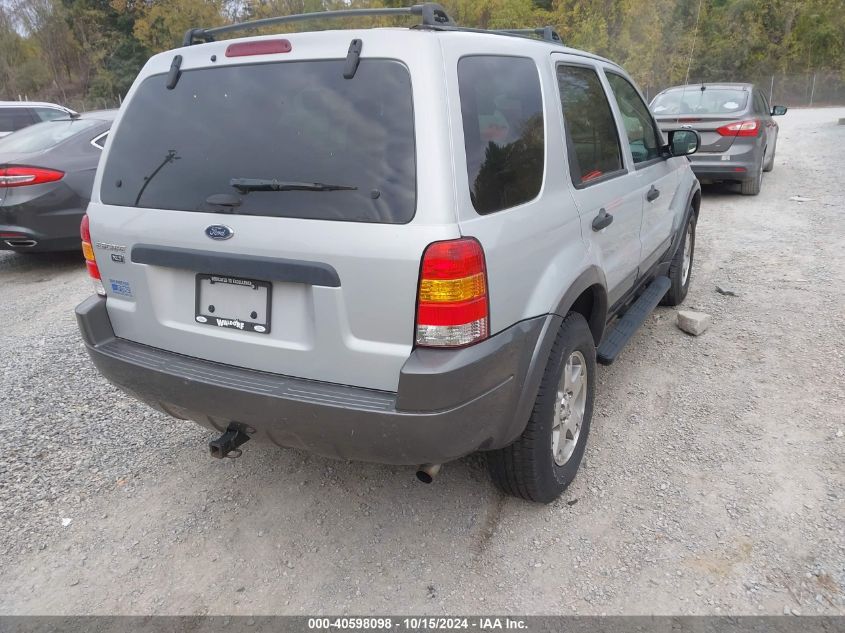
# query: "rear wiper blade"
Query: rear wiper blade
{"points": [[245, 185]]}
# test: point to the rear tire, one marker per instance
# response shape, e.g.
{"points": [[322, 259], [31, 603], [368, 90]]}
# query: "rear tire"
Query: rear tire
{"points": [[680, 270], [752, 187], [770, 165], [543, 461]]}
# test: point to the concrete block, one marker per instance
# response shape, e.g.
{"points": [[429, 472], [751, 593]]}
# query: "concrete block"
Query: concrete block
{"points": [[694, 323]]}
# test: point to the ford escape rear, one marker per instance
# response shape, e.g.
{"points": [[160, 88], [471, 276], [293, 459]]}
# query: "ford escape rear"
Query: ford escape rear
{"points": [[394, 245]]}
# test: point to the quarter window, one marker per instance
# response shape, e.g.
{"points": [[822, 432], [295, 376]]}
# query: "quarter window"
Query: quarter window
{"points": [[100, 141], [591, 135], [504, 133], [643, 137]]}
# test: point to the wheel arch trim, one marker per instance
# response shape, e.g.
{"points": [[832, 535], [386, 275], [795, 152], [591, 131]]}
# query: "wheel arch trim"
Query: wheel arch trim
{"points": [[593, 278]]}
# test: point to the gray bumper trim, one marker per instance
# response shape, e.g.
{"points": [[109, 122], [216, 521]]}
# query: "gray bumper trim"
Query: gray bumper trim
{"points": [[450, 402]]}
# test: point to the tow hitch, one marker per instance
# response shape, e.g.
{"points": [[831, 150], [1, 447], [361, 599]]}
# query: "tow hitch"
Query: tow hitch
{"points": [[227, 444]]}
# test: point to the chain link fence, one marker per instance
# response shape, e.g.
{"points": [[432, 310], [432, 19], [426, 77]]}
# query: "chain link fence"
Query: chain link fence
{"points": [[803, 90]]}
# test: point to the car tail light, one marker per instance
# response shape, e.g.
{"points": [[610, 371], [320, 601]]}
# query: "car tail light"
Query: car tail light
{"points": [[452, 304], [90, 260], [25, 176], [740, 128]]}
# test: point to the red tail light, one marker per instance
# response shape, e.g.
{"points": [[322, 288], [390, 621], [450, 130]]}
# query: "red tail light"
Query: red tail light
{"points": [[740, 128], [25, 176], [452, 304], [88, 253]]}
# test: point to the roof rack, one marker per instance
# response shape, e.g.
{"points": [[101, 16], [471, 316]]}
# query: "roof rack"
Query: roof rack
{"points": [[432, 15], [547, 33]]}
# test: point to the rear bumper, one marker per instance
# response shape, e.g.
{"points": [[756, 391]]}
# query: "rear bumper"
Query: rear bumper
{"points": [[40, 227], [450, 402], [26, 240], [734, 164]]}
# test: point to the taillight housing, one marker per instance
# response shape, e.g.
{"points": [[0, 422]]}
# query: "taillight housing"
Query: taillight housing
{"points": [[453, 309], [22, 176], [90, 260], [740, 128]]}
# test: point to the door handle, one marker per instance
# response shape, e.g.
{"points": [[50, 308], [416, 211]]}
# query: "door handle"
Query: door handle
{"points": [[602, 220], [653, 194]]}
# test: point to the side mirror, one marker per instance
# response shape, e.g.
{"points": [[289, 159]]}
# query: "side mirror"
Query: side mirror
{"points": [[683, 142], [778, 110]]}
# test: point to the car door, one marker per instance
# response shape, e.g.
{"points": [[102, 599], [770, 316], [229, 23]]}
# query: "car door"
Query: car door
{"points": [[656, 175], [604, 189]]}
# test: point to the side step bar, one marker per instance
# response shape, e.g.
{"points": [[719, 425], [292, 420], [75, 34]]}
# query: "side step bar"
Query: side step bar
{"points": [[615, 340]]}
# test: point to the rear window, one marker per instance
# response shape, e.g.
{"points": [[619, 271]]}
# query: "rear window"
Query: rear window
{"points": [[292, 122], [694, 100], [502, 110], [41, 136]]}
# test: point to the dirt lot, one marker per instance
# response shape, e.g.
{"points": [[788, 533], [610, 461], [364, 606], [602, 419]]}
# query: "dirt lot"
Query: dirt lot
{"points": [[713, 483]]}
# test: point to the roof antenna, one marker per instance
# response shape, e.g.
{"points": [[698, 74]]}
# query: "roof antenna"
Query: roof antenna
{"points": [[691, 50]]}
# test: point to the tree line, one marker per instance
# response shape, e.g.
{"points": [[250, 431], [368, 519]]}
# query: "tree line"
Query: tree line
{"points": [[65, 50]]}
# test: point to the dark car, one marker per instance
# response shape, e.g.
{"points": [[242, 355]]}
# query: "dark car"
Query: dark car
{"points": [[738, 134], [46, 177]]}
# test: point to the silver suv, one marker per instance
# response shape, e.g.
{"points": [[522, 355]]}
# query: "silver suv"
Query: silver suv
{"points": [[396, 245]]}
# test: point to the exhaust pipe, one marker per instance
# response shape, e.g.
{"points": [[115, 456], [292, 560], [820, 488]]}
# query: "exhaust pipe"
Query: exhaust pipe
{"points": [[427, 472], [227, 444], [25, 243]]}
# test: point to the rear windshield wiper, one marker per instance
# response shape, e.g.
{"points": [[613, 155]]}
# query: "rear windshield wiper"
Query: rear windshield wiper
{"points": [[245, 185]]}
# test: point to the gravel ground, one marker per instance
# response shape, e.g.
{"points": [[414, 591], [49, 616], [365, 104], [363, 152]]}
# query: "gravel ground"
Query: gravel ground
{"points": [[713, 481]]}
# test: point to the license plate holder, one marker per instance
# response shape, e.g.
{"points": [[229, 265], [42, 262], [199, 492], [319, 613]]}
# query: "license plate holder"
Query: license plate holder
{"points": [[233, 303]]}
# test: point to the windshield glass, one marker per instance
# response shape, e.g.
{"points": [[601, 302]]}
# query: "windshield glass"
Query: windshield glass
{"points": [[694, 100], [41, 136], [289, 122]]}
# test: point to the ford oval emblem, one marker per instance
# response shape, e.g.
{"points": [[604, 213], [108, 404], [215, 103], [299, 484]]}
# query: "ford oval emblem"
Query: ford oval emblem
{"points": [[219, 232]]}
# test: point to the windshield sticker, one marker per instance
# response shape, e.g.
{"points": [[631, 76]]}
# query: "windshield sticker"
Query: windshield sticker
{"points": [[731, 105]]}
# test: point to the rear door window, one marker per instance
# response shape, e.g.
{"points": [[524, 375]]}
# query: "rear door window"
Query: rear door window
{"points": [[289, 122], [592, 138], [760, 105], [13, 119], [504, 132]]}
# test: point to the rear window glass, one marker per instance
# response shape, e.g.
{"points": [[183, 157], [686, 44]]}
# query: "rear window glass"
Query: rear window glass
{"points": [[502, 110], [694, 100], [41, 136], [289, 122]]}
